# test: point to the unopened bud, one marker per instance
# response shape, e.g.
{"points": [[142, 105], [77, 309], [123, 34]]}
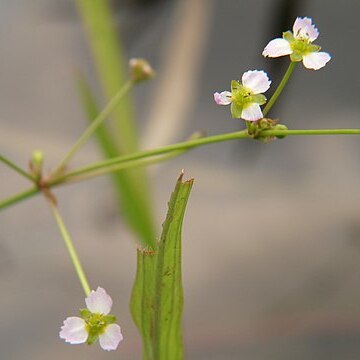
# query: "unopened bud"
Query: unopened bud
{"points": [[37, 157], [140, 70], [36, 164], [280, 127]]}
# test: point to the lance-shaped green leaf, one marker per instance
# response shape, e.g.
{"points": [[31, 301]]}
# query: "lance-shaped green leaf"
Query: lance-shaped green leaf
{"points": [[110, 64], [168, 343], [142, 302], [157, 297]]}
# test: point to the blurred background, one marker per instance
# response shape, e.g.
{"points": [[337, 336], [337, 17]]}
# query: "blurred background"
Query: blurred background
{"points": [[271, 236]]}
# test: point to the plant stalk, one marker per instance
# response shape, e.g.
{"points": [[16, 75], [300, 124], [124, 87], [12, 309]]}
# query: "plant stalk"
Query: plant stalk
{"points": [[69, 246], [103, 115], [132, 160], [280, 88], [15, 167], [186, 145]]}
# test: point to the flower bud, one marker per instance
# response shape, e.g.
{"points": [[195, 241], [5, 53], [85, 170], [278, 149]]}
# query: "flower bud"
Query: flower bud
{"points": [[280, 127], [36, 163], [140, 70], [37, 158]]}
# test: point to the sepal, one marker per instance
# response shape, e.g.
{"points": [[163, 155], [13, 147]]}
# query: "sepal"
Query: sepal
{"points": [[288, 36], [85, 314], [259, 99], [236, 110], [235, 85], [109, 319]]}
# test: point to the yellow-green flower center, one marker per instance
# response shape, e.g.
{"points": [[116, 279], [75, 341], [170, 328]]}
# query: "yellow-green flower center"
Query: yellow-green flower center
{"points": [[95, 324], [300, 46], [241, 96]]}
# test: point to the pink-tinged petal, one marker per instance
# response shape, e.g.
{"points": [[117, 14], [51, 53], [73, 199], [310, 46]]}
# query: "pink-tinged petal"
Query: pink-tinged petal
{"points": [[99, 301], [111, 338], [277, 47], [316, 60], [223, 98], [251, 112], [303, 28], [256, 80], [74, 330]]}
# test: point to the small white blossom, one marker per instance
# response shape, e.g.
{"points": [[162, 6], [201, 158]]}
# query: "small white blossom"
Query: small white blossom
{"points": [[95, 322], [298, 44], [246, 97]]}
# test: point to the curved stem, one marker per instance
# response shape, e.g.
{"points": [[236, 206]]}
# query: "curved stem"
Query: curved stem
{"points": [[103, 115], [70, 247], [280, 88], [18, 169]]}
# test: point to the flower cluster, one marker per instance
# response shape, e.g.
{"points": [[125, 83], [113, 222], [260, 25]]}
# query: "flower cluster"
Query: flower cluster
{"points": [[94, 323], [246, 96]]}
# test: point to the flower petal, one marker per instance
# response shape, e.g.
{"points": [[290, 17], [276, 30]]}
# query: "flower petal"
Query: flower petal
{"points": [[255, 80], [222, 98], [303, 28], [251, 112], [277, 47], [109, 340], [316, 60], [74, 330], [99, 301]]}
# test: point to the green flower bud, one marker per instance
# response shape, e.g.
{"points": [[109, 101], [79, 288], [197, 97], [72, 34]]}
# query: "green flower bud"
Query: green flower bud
{"points": [[140, 70], [36, 163], [37, 158], [280, 127]]}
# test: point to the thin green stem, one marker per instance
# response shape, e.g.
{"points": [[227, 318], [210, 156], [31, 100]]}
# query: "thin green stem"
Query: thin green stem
{"points": [[18, 169], [129, 159], [149, 153], [18, 197], [70, 247], [135, 159], [124, 165], [103, 115], [280, 88], [131, 164], [311, 132]]}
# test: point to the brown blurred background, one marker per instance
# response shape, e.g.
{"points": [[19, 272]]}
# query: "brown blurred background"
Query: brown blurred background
{"points": [[272, 232]]}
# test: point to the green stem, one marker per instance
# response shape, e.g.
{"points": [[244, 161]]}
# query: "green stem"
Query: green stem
{"points": [[103, 115], [122, 166], [124, 162], [143, 154], [70, 247], [311, 132], [129, 159], [280, 88], [129, 164], [13, 166], [18, 197]]}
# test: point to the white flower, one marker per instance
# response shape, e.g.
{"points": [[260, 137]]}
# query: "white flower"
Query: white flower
{"points": [[95, 322], [298, 44], [246, 97]]}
